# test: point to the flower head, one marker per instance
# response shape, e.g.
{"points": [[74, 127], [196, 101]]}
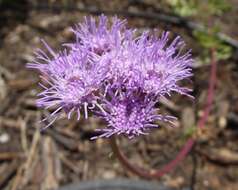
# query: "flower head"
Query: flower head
{"points": [[152, 64], [100, 37], [130, 114], [72, 81], [116, 74]]}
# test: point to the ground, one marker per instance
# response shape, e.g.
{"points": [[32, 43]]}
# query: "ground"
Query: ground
{"points": [[64, 153]]}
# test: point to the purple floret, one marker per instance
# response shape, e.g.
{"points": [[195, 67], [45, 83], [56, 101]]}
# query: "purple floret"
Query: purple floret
{"points": [[114, 73], [99, 38], [71, 81], [152, 64], [130, 114]]}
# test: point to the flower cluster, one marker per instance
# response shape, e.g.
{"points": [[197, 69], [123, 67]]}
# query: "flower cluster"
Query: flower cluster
{"points": [[114, 73]]}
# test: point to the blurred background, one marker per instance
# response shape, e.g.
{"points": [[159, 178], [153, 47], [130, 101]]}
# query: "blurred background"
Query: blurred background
{"points": [[64, 153]]}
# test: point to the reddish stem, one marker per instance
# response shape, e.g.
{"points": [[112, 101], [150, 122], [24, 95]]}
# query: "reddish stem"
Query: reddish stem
{"points": [[186, 148]]}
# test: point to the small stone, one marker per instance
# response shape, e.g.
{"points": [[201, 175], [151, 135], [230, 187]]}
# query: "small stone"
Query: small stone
{"points": [[4, 138], [109, 175]]}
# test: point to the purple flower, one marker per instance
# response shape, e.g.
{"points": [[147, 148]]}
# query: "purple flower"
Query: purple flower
{"points": [[131, 114], [115, 73], [99, 38], [72, 81], [152, 64]]}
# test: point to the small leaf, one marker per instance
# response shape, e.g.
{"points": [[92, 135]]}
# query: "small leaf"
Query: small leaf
{"points": [[208, 41]]}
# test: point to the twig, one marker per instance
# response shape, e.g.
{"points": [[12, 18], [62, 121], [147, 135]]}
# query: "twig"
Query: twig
{"points": [[23, 133], [187, 147], [222, 160], [10, 155], [4, 71], [21, 84], [63, 140], [26, 168], [51, 163], [8, 122], [162, 17], [8, 173], [69, 164]]}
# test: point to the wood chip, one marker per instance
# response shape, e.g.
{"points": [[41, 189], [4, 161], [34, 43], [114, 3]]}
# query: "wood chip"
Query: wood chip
{"points": [[52, 164], [7, 173]]}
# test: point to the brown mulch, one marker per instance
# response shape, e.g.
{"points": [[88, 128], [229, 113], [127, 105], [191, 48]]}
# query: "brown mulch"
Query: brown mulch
{"points": [[64, 153]]}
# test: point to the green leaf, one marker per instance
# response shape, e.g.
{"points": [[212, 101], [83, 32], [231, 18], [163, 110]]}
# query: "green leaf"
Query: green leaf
{"points": [[195, 7], [183, 7], [209, 40]]}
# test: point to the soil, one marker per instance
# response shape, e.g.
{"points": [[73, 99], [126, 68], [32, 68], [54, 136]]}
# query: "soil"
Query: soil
{"points": [[64, 153]]}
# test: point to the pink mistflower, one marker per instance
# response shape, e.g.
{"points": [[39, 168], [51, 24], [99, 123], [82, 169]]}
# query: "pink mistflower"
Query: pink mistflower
{"points": [[114, 73]]}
